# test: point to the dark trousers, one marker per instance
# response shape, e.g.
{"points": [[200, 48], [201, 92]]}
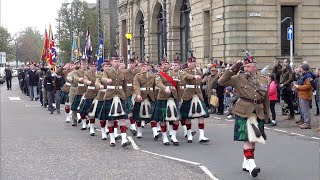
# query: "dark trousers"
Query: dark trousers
{"points": [[317, 105], [8, 83], [221, 105], [272, 109], [50, 100], [288, 99]]}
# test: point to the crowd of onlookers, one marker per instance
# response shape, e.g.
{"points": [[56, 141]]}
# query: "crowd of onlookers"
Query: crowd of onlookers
{"points": [[297, 86]]}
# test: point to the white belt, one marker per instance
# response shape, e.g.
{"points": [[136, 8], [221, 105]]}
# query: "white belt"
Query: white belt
{"points": [[40, 78], [80, 84], [192, 86], [103, 90], [182, 87], [91, 87], [68, 84], [48, 83], [170, 87], [157, 87], [114, 87], [129, 85], [144, 89]]}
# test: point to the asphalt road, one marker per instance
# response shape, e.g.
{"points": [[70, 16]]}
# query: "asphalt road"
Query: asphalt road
{"points": [[37, 145]]}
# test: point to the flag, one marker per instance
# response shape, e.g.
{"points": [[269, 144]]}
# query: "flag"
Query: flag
{"points": [[52, 48], [100, 51], [74, 49], [88, 46], [45, 51]]}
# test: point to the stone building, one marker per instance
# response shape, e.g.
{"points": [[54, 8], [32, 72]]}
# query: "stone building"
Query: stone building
{"points": [[222, 29]]}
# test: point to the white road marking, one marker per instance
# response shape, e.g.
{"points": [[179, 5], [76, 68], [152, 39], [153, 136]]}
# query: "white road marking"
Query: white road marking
{"points": [[14, 98], [230, 120], [292, 133], [206, 170], [134, 145], [280, 130], [33, 105], [267, 128], [98, 130], [217, 118], [172, 158], [315, 138]]}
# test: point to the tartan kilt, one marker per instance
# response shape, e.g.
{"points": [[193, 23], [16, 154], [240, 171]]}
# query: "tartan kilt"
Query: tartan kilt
{"points": [[106, 108], [98, 109], [185, 108], [240, 132], [160, 110], [75, 103], [128, 105], [84, 107], [64, 97], [136, 111]]}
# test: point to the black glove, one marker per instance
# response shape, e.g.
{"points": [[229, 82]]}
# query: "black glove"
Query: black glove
{"points": [[236, 67]]}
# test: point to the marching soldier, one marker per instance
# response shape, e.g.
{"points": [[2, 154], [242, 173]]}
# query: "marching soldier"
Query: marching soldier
{"points": [[131, 72], [253, 102], [89, 95], [166, 108], [193, 105], [114, 101], [143, 85], [73, 90], [77, 81]]}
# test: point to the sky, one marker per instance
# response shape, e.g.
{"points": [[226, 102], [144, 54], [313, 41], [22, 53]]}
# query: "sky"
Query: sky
{"points": [[18, 14]]}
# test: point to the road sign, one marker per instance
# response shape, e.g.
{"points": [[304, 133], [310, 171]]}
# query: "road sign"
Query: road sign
{"points": [[290, 33]]}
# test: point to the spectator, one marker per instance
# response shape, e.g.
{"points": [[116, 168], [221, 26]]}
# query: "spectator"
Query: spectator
{"points": [[317, 90], [286, 89], [211, 86], [277, 69], [230, 94], [220, 93], [48, 84], [33, 83], [265, 71], [8, 75], [273, 97], [204, 87], [304, 89]]}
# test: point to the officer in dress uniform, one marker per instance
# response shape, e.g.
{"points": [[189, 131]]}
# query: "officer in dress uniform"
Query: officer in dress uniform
{"points": [[77, 81], [114, 101], [130, 74], [166, 108], [143, 85], [253, 92], [91, 92], [193, 105], [99, 99]]}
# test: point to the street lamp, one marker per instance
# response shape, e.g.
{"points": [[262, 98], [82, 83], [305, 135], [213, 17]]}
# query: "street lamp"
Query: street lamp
{"points": [[290, 37]]}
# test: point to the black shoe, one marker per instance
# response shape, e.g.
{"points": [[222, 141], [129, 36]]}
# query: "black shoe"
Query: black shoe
{"points": [[189, 141], [74, 124], [273, 124], [128, 143], [175, 143], [204, 140], [84, 128], [134, 132], [157, 137], [112, 144], [51, 112], [31, 99], [79, 120], [255, 171], [192, 133], [118, 137], [139, 137], [166, 144], [92, 134]]}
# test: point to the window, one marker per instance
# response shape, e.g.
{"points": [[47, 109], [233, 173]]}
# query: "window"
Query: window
{"points": [[184, 30], [160, 35], [142, 38], [286, 11], [206, 33]]}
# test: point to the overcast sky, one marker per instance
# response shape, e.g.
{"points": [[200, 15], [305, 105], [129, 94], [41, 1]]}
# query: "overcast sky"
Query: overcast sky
{"points": [[18, 14]]}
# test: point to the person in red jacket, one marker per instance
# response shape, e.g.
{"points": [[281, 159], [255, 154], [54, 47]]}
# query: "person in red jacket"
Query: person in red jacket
{"points": [[273, 97]]}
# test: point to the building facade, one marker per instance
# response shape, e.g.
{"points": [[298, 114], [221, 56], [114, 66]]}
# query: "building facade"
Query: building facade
{"points": [[221, 29]]}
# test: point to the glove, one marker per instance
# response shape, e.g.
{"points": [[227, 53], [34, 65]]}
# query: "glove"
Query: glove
{"points": [[236, 67]]}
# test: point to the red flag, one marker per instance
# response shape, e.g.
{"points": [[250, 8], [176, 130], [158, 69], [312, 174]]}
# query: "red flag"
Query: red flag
{"points": [[45, 52]]}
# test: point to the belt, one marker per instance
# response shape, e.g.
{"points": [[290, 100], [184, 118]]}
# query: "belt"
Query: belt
{"points": [[114, 87], [191, 86], [254, 101], [48, 83], [91, 87], [146, 88], [80, 84], [68, 84], [170, 87], [103, 90], [129, 85], [157, 88], [182, 87]]}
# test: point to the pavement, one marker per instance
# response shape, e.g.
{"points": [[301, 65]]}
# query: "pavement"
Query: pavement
{"points": [[37, 145]]}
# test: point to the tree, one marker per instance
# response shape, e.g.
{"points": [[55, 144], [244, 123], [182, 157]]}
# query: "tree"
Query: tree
{"points": [[73, 20], [7, 44], [29, 44]]}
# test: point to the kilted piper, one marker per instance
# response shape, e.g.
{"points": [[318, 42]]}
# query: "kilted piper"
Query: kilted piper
{"points": [[143, 85], [77, 77], [166, 108], [91, 92], [130, 73], [193, 105], [251, 109], [113, 107]]}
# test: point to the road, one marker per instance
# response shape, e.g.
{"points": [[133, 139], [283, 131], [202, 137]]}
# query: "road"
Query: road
{"points": [[37, 145]]}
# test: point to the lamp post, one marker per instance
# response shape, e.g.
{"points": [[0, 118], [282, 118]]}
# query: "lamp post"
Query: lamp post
{"points": [[128, 37], [290, 37]]}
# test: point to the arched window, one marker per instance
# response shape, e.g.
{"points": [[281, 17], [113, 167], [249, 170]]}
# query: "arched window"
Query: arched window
{"points": [[185, 30], [160, 35], [142, 38]]}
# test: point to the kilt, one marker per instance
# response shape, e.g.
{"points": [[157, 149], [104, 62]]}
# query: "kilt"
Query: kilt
{"points": [[160, 110], [240, 128], [84, 107], [136, 111], [185, 108], [106, 108], [75, 103], [128, 104], [64, 97], [98, 109]]}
